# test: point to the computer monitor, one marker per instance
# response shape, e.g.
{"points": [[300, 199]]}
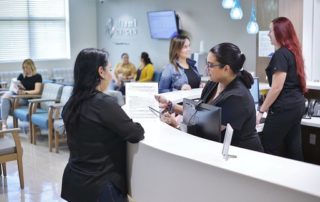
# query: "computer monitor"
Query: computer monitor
{"points": [[202, 120], [254, 90]]}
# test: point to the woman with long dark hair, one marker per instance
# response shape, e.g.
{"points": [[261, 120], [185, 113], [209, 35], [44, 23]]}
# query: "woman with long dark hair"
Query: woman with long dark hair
{"points": [[146, 69], [97, 132], [285, 99], [228, 88]]}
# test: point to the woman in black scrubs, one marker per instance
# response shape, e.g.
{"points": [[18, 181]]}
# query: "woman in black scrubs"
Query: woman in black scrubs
{"points": [[285, 100], [228, 88]]}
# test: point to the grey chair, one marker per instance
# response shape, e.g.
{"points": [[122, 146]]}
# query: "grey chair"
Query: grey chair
{"points": [[57, 124], [11, 150], [50, 94]]}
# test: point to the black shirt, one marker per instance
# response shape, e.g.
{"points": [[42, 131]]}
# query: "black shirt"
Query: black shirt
{"points": [[29, 82], [98, 148], [238, 110], [193, 78], [283, 60]]}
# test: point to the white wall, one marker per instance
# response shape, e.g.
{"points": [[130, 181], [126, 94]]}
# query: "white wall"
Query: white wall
{"points": [[206, 20], [83, 34], [311, 39]]}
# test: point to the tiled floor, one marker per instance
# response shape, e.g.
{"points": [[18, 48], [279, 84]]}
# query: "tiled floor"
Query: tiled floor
{"points": [[42, 174]]}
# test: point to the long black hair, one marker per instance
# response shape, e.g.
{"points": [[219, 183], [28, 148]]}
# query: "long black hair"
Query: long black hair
{"points": [[146, 58], [230, 54], [86, 79]]}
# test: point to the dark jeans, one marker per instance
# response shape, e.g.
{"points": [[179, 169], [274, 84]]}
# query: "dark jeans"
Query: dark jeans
{"points": [[112, 194], [282, 132]]}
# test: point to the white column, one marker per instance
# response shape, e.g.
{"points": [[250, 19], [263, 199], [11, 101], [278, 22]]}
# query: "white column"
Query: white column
{"points": [[307, 36]]}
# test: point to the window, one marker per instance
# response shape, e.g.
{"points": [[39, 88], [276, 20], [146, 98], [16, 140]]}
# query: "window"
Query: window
{"points": [[37, 29]]}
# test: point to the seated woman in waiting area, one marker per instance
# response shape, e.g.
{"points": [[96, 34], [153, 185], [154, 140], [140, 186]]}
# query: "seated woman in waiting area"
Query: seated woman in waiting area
{"points": [[146, 69], [30, 83]]}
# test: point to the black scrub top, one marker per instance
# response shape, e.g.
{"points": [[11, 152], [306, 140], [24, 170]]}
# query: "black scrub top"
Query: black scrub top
{"points": [[238, 110], [283, 60]]}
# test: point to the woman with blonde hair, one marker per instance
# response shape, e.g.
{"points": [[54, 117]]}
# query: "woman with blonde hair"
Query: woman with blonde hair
{"points": [[28, 82]]}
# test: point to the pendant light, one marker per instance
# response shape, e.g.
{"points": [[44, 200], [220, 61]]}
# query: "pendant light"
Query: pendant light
{"points": [[227, 4], [252, 26], [236, 12]]}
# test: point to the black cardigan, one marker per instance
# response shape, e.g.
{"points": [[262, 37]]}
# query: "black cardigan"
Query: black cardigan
{"points": [[98, 149]]}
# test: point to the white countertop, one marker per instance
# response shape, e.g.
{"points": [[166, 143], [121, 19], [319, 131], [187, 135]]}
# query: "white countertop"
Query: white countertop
{"points": [[313, 85], [177, 96], [294, 175], [313, 122], [284, 172], [310, 85]]}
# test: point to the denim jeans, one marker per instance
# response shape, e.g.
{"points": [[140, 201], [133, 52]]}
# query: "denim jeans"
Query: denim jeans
{"points": [[112, 194]]}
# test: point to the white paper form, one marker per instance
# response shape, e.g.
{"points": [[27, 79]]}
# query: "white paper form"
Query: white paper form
{"points": [[139, 96]]}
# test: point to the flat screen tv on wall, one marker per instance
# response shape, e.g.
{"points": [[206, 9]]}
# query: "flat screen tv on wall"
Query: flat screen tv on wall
{"points": [[163, 24]]}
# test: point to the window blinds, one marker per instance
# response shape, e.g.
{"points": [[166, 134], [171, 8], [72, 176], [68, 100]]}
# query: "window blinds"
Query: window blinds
{"points": [[37, 29]]}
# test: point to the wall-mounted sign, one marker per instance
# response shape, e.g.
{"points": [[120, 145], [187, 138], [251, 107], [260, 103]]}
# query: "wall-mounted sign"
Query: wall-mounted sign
{"points": [[122, 27], [266, 49]]}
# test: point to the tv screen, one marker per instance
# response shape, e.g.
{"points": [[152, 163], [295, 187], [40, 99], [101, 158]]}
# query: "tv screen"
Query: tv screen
{"points": [[162, 24], [202, 120]]}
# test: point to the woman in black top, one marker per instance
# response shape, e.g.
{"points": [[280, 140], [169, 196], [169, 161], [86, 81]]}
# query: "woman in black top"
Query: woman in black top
{"points": [[228, 89], [97, 133], [285, 100], [29, 83]]}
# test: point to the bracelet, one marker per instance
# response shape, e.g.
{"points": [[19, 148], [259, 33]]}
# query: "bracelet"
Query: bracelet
{"points": [[260, 112], [170, 107]]}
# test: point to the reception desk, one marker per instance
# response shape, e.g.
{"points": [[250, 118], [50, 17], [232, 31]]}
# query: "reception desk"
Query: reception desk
{"points": [[172, 166]]}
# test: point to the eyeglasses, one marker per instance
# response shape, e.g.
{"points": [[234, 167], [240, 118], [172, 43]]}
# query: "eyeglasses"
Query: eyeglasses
{"points": [[211, 65]]}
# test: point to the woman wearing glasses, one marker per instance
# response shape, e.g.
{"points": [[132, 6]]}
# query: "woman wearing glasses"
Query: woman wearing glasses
{"points": [[181, 73], [228, 88]]}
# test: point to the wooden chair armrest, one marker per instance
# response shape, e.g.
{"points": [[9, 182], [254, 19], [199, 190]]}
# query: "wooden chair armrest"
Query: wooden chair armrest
{"points": [[54, 110], [25, 96], [43, 100], [57, 106], [9, 130]]}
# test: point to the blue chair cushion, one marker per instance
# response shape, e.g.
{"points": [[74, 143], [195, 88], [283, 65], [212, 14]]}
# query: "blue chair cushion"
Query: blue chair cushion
{"points": [[22, 113], [40, 119]]}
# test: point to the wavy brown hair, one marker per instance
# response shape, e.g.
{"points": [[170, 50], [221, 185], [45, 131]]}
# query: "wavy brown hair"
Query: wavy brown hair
{"points": [[176, 44]]}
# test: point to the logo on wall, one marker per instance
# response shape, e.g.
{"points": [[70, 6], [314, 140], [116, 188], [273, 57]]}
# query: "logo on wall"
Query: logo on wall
{"points": [[123, 27], [110, 29]]}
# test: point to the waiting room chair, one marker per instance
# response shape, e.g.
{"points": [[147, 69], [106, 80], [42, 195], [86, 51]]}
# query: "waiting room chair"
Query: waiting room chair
{"points": [[50, 94], [11, 150], [117, 95], [46, 120], [156, 75]]}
